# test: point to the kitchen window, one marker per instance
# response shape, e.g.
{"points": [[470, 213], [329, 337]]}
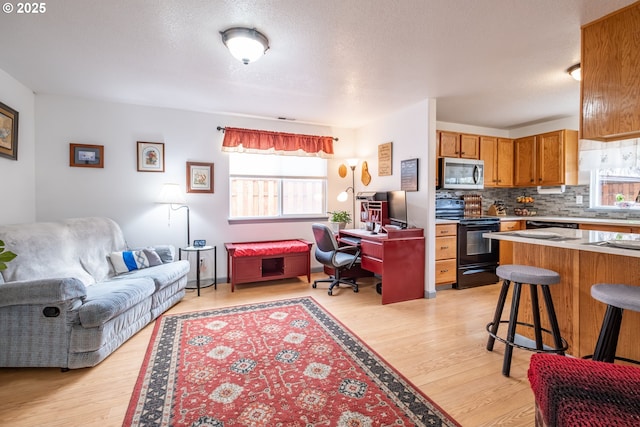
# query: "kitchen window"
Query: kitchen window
{"points": [[615, 173], [276, 187], [615, 188]]}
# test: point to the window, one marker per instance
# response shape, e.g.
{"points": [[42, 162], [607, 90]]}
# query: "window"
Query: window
{"points": [[610, 187], [615, 172], [272, 186]]}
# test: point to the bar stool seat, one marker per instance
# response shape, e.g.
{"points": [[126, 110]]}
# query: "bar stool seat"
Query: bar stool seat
{"points": [[535, 277], [618, 298]]}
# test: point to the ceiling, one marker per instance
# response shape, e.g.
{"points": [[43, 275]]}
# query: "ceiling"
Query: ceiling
{"points": [[492, 63]]}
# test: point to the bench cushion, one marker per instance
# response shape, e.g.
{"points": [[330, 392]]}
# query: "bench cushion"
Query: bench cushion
{"points": [[269, 248]]}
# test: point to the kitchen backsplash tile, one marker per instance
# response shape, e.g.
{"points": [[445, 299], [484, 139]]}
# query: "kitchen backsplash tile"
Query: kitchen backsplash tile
{"points": [[549, 204]]}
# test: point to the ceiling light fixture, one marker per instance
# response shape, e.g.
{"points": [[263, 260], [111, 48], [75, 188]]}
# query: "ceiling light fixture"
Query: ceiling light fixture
{"points": [[245, 44], [574, 71]]}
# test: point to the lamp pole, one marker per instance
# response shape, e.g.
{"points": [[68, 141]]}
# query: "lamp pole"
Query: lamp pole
{"points": [[353, 193]]}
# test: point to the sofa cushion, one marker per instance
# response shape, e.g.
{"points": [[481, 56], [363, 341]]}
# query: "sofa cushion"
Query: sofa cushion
{"points": [[108, 299], [162, 275]]}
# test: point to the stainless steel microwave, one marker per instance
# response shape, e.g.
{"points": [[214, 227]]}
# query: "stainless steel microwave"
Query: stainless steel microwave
{"points": [[461, 174]]}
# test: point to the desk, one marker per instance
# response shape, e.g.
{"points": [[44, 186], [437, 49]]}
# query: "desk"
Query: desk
{"points": [[398, 257], [197, 250]]}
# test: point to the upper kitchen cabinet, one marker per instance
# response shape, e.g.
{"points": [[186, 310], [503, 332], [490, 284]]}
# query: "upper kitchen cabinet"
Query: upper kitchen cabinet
{"points": [[547, 159], [610, 67], [453, 144], [497, 154]]}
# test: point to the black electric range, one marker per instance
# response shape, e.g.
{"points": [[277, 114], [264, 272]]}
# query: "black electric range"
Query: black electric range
{"points": [[477, 257]]}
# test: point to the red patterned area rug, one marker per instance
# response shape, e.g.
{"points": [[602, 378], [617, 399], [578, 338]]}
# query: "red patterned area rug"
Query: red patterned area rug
{"points": [[282, 363]]}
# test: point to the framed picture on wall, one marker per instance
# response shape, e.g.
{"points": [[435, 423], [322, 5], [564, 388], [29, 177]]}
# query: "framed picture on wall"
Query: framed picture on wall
{"points": [[86, 156], [150, 156], [199, 177], [8, 132]]}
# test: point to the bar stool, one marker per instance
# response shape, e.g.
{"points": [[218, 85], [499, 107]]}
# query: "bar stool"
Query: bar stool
{"points": [[618, 298], [534, 277]]}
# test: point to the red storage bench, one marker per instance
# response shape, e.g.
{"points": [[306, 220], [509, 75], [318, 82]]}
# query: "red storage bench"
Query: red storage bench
{"points": [[269, 260]]}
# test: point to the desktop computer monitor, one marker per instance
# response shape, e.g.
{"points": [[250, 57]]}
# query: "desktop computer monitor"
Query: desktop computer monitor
{"points": [[397, 204]]}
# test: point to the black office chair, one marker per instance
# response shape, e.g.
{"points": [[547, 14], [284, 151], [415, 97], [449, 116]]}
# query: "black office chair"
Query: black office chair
{"points": [[337, 257]]}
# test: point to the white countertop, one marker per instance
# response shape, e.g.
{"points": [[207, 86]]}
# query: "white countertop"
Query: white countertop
{"points": [[584, 240], [629, 222]]}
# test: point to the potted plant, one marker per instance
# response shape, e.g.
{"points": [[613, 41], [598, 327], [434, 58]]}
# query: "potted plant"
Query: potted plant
{"points": [[5, 256], [339, 220]]}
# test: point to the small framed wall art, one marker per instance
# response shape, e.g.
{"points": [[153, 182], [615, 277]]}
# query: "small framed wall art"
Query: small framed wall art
{"points": [[8, 132], [199, 177], [150, 156], [86, 156]]}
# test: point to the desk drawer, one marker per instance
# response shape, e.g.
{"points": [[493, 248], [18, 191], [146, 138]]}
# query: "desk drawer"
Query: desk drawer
{"points": [[373, 249], [446, 230], [446, 271], [372, 264], [446, 247]]}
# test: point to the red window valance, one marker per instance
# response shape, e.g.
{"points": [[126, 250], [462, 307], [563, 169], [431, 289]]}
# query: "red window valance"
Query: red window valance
{"points": [[266, 142]]}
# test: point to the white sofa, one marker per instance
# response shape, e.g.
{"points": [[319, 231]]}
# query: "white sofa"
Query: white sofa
{"points": [[62, 302]]}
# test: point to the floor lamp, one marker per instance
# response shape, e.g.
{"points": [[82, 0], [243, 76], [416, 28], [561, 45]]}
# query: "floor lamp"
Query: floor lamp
{"points": [[342, 197], [172, 195]]}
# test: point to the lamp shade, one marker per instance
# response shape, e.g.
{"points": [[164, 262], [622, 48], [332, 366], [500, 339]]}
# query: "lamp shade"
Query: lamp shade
{"points": [[245, 44], [171, 193], [342, 197]]}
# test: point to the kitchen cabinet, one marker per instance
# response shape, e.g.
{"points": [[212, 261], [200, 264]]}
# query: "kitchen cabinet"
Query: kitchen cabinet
{"points": [[446, 253], [453, 144], [497, 154], [610, 68], [506, 248], [546, 159]]}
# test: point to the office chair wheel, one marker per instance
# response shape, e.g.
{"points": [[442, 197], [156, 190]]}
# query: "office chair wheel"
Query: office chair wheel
{"points": [[355, 289], [314, 286], [330, 292]]}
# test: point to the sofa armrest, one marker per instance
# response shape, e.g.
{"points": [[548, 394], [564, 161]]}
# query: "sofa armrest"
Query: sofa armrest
{"points": [[584, 391], [42, 291]]}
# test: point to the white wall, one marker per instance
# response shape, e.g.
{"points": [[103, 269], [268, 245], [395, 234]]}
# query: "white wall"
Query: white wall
{"points": [[410, 130], [18, 195], [121, 192]]}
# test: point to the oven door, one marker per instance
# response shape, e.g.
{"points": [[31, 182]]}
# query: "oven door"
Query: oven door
{"points": [[473, 249]]}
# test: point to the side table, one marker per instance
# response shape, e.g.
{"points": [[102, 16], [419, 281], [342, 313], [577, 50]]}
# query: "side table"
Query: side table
{"points": [[197, 250]]}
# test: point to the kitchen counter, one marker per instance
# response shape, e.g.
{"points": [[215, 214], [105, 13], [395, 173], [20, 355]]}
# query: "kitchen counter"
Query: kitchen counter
{"points": [[564, 219], [606, 242], [582, 259]]}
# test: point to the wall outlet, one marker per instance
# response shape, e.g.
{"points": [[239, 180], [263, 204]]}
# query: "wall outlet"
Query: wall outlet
{"points": [[578, 200]]}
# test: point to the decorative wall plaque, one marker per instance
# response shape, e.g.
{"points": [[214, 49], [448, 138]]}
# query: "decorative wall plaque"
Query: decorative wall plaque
{"points": [[385, 158]]}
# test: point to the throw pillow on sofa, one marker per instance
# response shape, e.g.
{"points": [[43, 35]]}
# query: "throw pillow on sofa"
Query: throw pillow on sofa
{"points": [[126, 261]]}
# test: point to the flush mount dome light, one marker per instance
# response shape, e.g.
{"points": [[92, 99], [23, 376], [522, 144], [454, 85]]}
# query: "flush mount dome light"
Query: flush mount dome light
{"points": [[245, 44], [574, 71]]}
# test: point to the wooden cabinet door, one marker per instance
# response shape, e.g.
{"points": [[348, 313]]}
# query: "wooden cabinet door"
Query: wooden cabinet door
{"points": [[489, 153], [524, 152], [448, 144], [504, 152], [550, 158], [296, 264], [611, 76], [469, 146], [506, 248]]}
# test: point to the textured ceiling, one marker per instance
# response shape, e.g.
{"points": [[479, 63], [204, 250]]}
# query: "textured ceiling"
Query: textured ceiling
{"points": [[493, 63]]}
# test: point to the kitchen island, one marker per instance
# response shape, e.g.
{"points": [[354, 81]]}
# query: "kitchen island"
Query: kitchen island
{"points": [[582, 258]]}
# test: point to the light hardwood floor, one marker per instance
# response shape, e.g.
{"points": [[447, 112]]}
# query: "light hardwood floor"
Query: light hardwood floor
{"points": [[438, 344]]}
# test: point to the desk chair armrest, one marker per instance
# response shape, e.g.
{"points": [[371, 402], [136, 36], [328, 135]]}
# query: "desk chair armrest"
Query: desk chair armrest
{"points": [[355, 250]]}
